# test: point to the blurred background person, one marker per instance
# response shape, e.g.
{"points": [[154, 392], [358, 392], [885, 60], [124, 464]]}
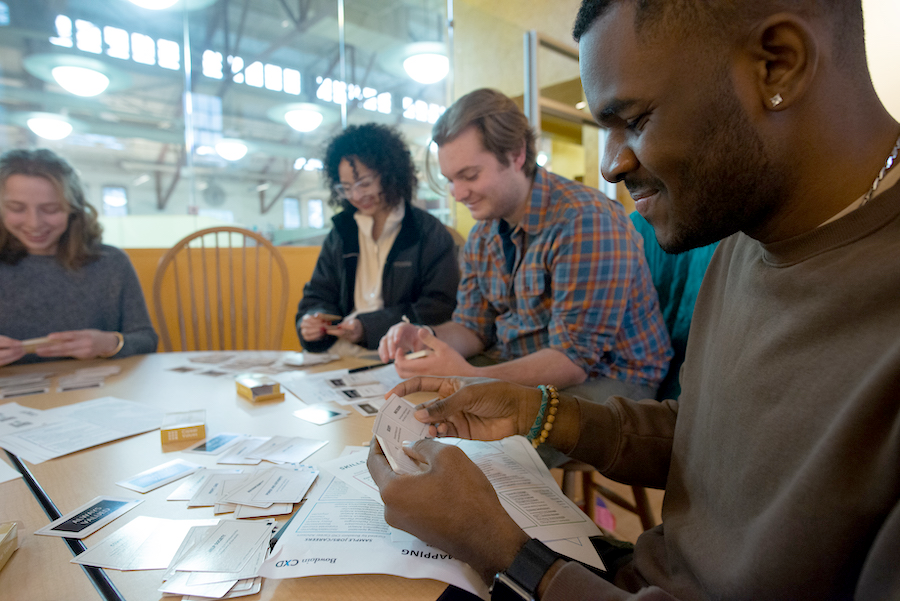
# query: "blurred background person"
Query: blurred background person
{"points": [[384, 258], [57, 280]]}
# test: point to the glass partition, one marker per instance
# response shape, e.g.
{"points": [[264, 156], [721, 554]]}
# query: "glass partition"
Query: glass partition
{"points": [[208, 112]]}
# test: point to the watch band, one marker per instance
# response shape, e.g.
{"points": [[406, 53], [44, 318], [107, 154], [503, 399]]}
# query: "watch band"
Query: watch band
{"points": [[522, 577]]}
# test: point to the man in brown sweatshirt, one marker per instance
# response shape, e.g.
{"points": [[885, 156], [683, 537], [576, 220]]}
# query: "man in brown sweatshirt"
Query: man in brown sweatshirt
{"points": [[755, 122]]}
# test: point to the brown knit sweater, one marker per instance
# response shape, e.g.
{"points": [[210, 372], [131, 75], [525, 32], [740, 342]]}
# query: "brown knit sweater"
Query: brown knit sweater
{"points": [[781, 461]]}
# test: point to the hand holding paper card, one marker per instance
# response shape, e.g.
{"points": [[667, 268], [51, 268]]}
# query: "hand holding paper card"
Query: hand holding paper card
{"points": [[394, 424]]}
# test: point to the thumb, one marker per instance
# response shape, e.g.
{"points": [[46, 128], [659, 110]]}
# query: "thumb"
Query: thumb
{"points": [[424, 451], [430, 340]]}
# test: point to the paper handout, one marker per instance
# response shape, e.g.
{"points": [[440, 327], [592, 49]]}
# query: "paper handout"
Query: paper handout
{"points": [[72, 428]]}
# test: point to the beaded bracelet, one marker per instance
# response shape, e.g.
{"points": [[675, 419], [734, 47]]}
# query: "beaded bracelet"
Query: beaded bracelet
{"points": [[536, 428], [551, 391]]}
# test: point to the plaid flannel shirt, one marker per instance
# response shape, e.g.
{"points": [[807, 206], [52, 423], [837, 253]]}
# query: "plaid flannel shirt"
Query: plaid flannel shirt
{"points": [[580, 285]]}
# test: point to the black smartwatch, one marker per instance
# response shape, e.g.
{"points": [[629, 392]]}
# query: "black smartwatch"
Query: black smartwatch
{"points": [[521, 579]]}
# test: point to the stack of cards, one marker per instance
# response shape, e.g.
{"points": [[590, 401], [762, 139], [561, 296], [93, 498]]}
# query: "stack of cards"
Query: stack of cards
{"points": [[221, 561], [88, 377], [13, 386], [258, 387], [9, 541]]}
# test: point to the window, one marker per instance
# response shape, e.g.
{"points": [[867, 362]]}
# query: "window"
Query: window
{"points": [[291, 214], [315, 210]]}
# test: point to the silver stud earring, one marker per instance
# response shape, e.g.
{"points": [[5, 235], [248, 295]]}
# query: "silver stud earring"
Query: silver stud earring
{"points": [[776, 100]]}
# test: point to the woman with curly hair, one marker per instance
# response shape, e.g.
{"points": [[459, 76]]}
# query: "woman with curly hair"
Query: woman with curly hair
{"points": [[58, 283], [384, 258]]}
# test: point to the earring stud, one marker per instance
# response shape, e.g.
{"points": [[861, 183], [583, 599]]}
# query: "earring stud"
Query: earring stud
{"points": [[776, 100]]}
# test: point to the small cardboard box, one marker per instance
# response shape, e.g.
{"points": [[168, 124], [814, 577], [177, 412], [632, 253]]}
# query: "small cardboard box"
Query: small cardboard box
{"points": [[9, 541], [258, 387], [183, 426]]}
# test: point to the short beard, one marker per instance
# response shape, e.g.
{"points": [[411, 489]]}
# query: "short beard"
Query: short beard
{"points": [[732, 186]]}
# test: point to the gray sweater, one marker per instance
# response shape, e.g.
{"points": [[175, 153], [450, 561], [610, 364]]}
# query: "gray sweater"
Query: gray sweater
{"points": [[39, 296], [781, 459]]}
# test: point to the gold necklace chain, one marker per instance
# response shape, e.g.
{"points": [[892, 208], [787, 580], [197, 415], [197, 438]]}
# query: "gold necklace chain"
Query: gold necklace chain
{"points": [[887, 165]]}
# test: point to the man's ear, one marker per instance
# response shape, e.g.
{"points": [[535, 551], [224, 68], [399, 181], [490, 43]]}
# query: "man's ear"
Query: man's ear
{"points": [[518, 158], [785, 51]]}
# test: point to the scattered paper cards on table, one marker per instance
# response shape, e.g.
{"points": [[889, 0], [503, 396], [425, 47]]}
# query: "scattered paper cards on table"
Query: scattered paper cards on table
{"points": [[246, 492]]}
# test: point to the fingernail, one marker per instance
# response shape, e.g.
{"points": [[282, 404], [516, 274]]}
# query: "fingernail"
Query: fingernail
{"points": [[408, 443], [421, 415]]}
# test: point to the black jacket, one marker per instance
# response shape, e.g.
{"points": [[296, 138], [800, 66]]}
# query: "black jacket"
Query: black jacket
{"points": [[421, 275]]}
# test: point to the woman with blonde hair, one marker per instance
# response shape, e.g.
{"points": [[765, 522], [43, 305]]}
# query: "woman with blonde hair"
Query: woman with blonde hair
{"points": [[62, 292]]}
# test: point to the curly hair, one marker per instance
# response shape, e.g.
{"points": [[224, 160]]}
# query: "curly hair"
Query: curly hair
{"points": [[78, 244], [380, 148]]}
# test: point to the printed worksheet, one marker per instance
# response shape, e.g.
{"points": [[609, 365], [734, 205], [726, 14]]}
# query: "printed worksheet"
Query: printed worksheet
{"points": [[72, 428], [524, 485], [338, 531]]}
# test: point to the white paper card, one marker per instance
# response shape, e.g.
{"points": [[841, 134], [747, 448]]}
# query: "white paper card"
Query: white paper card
{"points": [[89, 518], [160, 475]]}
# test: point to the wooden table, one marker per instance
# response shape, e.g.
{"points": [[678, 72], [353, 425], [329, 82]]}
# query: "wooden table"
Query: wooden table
{"points": [[40, 569]]}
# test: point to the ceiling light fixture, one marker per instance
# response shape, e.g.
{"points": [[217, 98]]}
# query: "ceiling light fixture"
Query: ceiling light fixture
{"points": [[427, 67], [231, 150], [50, 128], [154, 4], [303, 119], [424, 62], [300, 116], [80, 81], [79, 75]]}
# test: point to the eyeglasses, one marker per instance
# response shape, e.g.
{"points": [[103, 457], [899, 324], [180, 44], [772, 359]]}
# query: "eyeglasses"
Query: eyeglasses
{"points": [[362, 186]]}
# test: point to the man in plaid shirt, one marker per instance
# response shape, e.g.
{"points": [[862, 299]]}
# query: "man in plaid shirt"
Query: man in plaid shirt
{"points": [[555, 288]]}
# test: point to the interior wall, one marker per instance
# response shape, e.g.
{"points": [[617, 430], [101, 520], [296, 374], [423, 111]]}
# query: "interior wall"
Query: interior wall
{"points": [[488, 51], [882, 19]]}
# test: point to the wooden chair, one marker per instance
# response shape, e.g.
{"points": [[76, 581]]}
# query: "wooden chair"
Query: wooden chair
{"points": [[459, 241], [225, 287], [641, 505]]}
